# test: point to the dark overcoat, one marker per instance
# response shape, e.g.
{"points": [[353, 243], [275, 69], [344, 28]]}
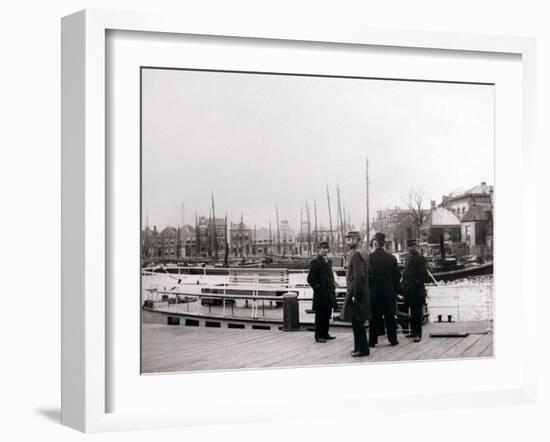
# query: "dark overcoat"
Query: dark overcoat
{"points": [[414, 277], [321, 280], [384, 280], [357, 279]]}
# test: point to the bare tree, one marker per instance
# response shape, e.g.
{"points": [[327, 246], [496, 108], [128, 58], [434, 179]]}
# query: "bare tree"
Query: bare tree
{"points": [[415, 198]]}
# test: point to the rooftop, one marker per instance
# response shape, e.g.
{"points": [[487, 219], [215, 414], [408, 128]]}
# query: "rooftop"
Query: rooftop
{"points": [[476, 213], [480, 189], [440, 217]]}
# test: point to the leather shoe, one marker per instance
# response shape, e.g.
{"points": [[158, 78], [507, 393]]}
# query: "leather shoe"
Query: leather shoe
{"points": [[330, 337], [372, 344], [417, 339], [410, 335], [320, 340], [359, 354], [394, 343]]}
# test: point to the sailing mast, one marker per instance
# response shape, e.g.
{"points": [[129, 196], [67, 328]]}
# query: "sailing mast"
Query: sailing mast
{"points": [[178, 241], [329, 216], [209, 232], [278, 232], [301, 230], [182, 247], [270, 239], [341, 219], [308, 229], [226, 256], [198, 235], [215, 230], [367, 203], [241, 234], [254, 242], [315, 213], [345, 218]]}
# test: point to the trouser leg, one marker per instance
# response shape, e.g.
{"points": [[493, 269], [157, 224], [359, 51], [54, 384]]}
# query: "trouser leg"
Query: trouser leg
{"points": [[322, 321], [325, 319], [417, 312], [391, 326], [374, 327], [406, 324], [318, 324], [360, 337]]}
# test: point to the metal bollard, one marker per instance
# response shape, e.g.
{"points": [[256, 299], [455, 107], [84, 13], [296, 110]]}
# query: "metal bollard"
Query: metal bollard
{"points": [[291, 313], [439, 318]]}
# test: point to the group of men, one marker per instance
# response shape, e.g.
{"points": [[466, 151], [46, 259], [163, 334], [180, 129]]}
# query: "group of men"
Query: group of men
{"points": [[374, 284]]}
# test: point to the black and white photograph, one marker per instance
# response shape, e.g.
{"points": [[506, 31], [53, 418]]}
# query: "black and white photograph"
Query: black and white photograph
{"points": [[310, 220]]}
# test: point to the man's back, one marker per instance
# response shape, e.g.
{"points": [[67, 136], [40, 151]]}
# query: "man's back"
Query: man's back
{"points": [[384, 273]]}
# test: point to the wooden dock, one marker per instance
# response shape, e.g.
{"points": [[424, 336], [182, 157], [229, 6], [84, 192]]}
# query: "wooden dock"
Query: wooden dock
{"points": [[167, 348]]}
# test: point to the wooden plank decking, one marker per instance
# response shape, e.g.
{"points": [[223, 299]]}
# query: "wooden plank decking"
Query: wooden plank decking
{"points": [[178, 348]]}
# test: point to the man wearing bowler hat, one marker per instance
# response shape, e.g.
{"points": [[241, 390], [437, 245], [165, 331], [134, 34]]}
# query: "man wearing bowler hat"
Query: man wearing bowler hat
{"points": [[356, 307], [384, 285], [321, 280], [414, 290]]}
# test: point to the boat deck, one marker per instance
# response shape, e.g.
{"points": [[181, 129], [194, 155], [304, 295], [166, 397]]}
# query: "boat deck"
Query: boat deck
{"points": [[167, 348]]}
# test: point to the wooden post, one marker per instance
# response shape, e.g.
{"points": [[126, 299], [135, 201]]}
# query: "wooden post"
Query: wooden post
{"points": [[291, 312]]}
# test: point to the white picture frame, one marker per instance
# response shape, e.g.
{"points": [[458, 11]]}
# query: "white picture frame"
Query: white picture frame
{"points": [[85, 210]]}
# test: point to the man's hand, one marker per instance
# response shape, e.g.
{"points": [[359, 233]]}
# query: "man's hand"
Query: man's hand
{"points": [[353, 299]]}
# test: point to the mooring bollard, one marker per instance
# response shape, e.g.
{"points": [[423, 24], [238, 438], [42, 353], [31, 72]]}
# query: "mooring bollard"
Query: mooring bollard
{"points": [[449, 318], [291, 314], [439, 318]]}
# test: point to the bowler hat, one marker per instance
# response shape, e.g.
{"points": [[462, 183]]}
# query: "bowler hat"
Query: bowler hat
{"points": [[353, 234], [324, 245], [411, 243], [379, 237]]}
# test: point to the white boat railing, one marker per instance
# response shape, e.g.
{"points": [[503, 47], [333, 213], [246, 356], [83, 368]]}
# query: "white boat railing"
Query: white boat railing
{"points": [[255, 297]]}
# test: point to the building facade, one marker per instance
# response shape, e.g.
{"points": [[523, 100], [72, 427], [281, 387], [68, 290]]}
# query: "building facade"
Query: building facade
{"points": [[398, 225], [241, 240], [459, 202]]}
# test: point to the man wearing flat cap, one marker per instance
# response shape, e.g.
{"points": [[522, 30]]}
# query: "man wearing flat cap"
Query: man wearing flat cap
{"points": [[414, 277], [321, 279], [384, 286], [356, 307]]}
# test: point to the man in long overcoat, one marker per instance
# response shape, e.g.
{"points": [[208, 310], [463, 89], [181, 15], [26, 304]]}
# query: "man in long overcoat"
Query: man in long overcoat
{"points": [[356, 308], [384, 286], [414, 290], [321, 280]]}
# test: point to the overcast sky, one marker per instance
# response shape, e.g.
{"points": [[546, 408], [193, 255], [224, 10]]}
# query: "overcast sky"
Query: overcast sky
{"points": [[260, 140]]}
